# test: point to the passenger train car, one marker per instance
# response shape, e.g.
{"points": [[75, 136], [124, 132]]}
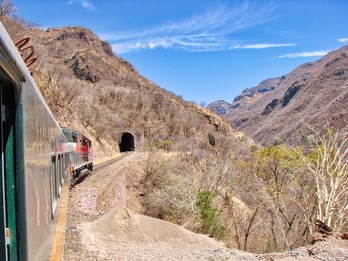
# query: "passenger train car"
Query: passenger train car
{"points": [[36, 160]]}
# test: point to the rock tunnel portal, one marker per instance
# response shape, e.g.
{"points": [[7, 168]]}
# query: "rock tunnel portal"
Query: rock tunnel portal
{"points": [[127, 142]]}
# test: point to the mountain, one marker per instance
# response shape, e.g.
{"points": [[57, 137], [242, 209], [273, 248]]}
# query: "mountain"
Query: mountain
{"points": [[315, 93], [196, 172], [89, 88]]}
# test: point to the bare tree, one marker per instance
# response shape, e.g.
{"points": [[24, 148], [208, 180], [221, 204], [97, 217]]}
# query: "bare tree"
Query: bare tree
{"points": [[7, 8], [328, 165]]}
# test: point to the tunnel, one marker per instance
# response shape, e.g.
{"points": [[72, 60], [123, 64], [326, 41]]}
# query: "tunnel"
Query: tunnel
{"points": [[127, 142]]}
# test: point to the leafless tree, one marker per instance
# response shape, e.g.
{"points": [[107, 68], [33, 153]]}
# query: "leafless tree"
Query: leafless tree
{"points": [[7, 8], [328, 165]]}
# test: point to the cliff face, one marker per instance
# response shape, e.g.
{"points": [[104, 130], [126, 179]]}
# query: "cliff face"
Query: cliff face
{"points": [[316, 93]]}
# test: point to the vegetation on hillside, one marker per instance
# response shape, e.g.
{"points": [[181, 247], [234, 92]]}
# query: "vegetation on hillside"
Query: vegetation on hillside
{"points": [[199, 172], [258, 200], [90, 89]]}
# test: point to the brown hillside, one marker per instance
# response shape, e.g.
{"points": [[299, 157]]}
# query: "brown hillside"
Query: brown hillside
{"points": [[190, 167], [314, 92], [90, 89]]}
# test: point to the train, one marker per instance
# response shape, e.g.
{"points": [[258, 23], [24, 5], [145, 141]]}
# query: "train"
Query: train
{"points": [[39, 161], [81, 156]]}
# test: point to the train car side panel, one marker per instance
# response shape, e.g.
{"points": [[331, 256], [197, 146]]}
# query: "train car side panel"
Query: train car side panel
{"points": [[40, 139], [35, 164]]}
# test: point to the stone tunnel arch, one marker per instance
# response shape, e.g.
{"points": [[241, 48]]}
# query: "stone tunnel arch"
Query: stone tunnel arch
{"points": [[127, 142]]}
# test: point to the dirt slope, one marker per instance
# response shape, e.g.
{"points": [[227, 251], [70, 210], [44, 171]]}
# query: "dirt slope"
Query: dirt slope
{"points": [[123, 234]]}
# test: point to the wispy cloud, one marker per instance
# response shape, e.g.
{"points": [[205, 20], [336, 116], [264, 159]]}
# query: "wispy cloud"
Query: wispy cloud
{"points": [[84, 3], [343, 40], [261, 46], [304, 54], [213, 30]]}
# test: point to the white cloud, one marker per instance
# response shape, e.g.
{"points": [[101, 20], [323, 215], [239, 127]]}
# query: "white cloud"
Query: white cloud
{"points": [[84, 3], [304, 54], [261, 46], [343, 40], [210, 31]]}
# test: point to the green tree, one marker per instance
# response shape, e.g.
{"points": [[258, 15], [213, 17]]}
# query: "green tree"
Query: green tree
{"points": [[209, 215]]}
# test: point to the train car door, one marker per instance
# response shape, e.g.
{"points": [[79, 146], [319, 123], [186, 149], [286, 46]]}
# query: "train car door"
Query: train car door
{"points": [[3, 238], [8, 202]]}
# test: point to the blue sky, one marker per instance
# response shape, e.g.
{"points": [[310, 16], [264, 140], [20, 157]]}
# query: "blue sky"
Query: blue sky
{"points": [[204, 50]]}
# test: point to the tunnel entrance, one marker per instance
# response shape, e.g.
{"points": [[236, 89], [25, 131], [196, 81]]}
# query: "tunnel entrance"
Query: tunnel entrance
{"points": [[127, 142]]}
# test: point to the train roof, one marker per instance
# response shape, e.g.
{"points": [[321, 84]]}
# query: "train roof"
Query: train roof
{"points": [[69, 134]]}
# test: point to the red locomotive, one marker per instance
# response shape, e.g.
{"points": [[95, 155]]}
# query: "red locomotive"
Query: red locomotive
{"points": [[81, 157]]}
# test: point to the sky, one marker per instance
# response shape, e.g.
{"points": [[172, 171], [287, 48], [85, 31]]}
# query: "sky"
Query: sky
{"points": [[204, 50]]}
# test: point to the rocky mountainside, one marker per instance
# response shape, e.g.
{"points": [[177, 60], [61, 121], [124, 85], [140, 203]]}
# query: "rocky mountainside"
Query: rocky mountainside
{"points": [[197, 172], [90, 89], [315, 93]]}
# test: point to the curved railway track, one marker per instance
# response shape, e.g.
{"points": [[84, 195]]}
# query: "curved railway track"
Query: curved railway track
{"points": [[108, 163], [97, 168]]}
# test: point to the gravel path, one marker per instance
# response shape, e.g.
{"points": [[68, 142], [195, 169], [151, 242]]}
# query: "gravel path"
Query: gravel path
{"points": [[104, 223], [82, 209]]}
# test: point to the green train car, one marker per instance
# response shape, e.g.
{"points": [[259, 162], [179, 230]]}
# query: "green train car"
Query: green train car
{"points": [[35, 162]]}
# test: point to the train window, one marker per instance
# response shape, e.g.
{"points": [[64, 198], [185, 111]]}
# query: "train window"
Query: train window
{"points": [[59, 174], [68, 135], [66, 166], [74, 136], [53, 181], [62, 170]]}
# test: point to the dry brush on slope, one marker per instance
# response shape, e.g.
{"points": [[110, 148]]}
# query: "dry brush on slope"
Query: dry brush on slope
{"points": [[264, 201], [90, 89], [215, 186]]}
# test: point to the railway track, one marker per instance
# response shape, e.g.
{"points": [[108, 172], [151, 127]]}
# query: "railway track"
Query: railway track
{"points": [[97, 168], [103, 165]]}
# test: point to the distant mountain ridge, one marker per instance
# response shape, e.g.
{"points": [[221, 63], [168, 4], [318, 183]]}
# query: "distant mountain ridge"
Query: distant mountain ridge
{"points": [[314, 92]]}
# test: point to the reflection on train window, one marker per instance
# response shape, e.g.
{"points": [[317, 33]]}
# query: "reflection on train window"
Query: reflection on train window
{"points": [[62, 169], [66, 165], [59, 174], [53, 179]]}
